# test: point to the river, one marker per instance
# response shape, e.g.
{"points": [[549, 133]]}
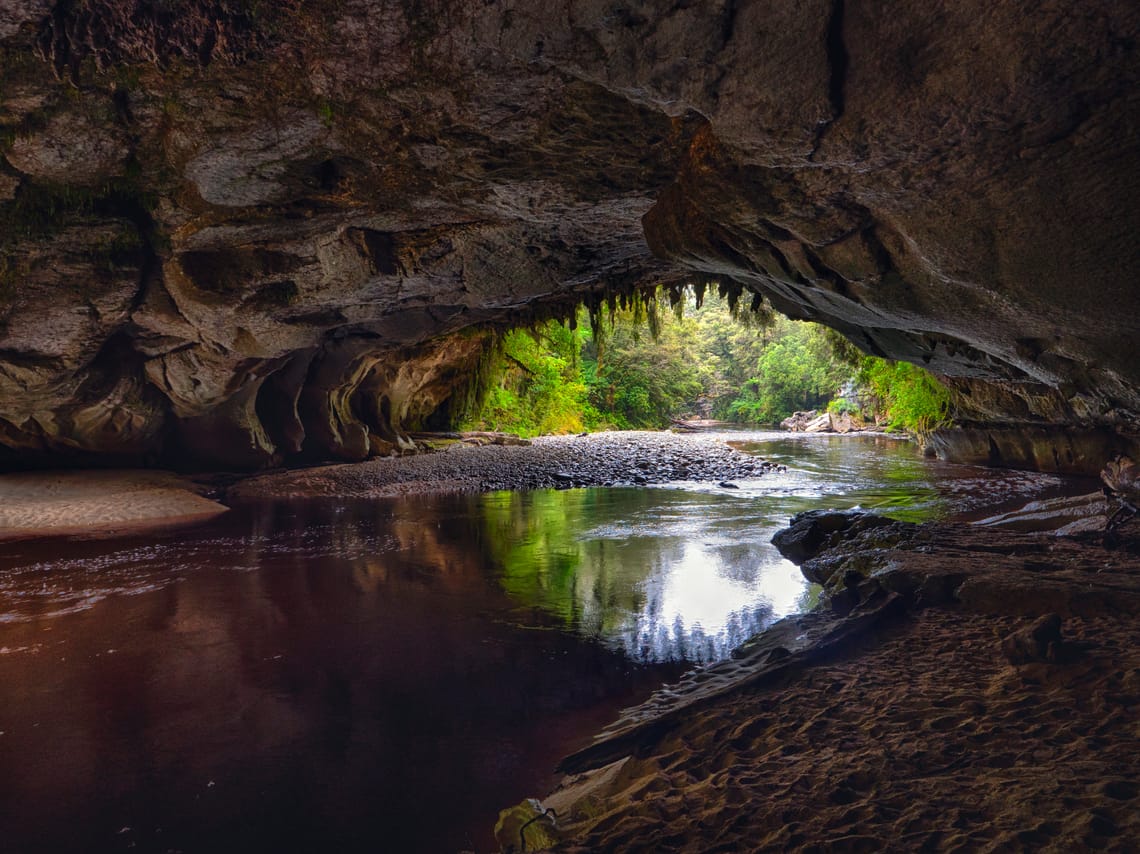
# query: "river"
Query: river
{"points": [[386, 675]]}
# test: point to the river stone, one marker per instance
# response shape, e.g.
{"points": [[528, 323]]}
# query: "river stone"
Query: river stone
{"points": [[814, 531]]}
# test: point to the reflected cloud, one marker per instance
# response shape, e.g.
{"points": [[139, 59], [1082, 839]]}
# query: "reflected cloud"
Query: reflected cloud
{"points": [[662, 575]]}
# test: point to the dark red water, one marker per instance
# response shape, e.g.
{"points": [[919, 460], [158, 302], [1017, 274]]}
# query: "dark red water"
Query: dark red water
{"points": [[387, 676], [327, 678]]}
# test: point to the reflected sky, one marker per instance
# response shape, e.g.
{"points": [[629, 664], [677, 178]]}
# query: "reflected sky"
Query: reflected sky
{"points": [[386, 675], [660, 574], [687, 571]]}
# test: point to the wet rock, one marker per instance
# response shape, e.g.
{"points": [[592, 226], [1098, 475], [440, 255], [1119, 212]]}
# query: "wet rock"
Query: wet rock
{"points": [[1063, 449], [815, 531], [1066, 516], [1039, 641], [1121, 476]]}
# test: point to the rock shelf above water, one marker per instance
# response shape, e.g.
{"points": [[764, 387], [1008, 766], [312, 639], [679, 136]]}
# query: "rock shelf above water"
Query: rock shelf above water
{"points": [[981, 691], [236, 239]]}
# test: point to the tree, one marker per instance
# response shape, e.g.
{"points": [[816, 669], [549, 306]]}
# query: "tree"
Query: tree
{"points": [[749, 368]]}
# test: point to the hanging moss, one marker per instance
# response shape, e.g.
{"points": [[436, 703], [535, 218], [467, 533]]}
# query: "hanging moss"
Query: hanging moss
{"points": [[43, 209], [642, 303], [468, 399], [10, 275]]}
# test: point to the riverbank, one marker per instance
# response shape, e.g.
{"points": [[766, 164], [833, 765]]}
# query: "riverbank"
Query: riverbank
{"points": [[98, 503], [618, 458], [941, 712], [94, 502]]}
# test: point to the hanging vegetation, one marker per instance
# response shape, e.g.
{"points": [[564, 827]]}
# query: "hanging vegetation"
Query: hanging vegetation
{"points": [[715, 355]]}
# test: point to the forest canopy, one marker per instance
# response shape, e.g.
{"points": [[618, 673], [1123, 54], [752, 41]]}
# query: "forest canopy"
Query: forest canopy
{"points": [[640, 368]]}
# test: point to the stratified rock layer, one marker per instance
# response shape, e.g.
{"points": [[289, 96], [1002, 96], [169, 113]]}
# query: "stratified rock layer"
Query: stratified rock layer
{"points": [[240, 234], [970, 688]]}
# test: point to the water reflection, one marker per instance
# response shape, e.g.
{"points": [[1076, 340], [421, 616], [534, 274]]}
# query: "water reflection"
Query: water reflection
{"points": [[661, 575], [306, 677], [366, 676], [688, 571]]}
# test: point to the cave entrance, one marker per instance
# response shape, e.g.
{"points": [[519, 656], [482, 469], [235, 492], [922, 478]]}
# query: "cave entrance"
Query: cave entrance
{"points": [[638, 364]]}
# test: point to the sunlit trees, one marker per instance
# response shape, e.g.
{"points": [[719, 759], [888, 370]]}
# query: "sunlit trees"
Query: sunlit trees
{"points": [[754, 369]]}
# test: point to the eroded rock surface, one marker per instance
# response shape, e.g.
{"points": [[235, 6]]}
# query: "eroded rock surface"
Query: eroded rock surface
{"points": [[241, 234], [965, 635]]}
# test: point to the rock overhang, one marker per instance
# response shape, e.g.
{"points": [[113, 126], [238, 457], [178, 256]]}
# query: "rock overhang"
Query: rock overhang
{"points": [[246, 227]]}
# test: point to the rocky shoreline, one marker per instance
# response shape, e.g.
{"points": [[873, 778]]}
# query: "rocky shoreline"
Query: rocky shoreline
{"points": [[970, 688], [617, 458], [51, 503]]}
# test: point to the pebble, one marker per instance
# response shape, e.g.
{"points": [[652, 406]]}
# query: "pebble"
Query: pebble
{"points": [[600, 459]]}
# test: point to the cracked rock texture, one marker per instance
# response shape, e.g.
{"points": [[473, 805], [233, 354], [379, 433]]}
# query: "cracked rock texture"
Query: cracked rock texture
{"points": [[236, 234]]}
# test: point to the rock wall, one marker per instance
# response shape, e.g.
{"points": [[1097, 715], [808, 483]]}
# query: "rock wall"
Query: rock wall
{"points": [[236, 233]]}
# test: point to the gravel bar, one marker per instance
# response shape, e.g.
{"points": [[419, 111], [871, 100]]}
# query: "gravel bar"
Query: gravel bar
{"points": [[620, 458]]}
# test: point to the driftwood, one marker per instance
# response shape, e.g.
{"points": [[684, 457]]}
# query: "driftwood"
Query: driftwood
{"points": [[473, 437], [697, 425]]}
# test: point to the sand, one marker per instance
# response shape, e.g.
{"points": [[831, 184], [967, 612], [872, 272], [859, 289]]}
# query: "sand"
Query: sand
{"points": [[919, 733], [37, 504]]}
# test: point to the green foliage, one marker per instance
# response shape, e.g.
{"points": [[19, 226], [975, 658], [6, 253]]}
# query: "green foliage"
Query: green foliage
{"points": [[537, 386], [711, 354], [125, 250], [709, 357], [796, 370], [638, 382], [41, 210], [911, 398]]}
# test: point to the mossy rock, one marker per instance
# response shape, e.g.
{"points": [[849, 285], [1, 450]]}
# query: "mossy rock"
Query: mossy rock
{"points": [[525, 827]]}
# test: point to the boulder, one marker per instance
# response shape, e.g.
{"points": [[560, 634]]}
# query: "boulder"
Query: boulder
{"points": [[816, 531], [797, 421], [819, 424]]}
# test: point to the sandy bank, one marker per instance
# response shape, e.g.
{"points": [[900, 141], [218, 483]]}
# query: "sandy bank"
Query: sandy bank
{"points": [[37, 504], [102, 502], [923, 728]]}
